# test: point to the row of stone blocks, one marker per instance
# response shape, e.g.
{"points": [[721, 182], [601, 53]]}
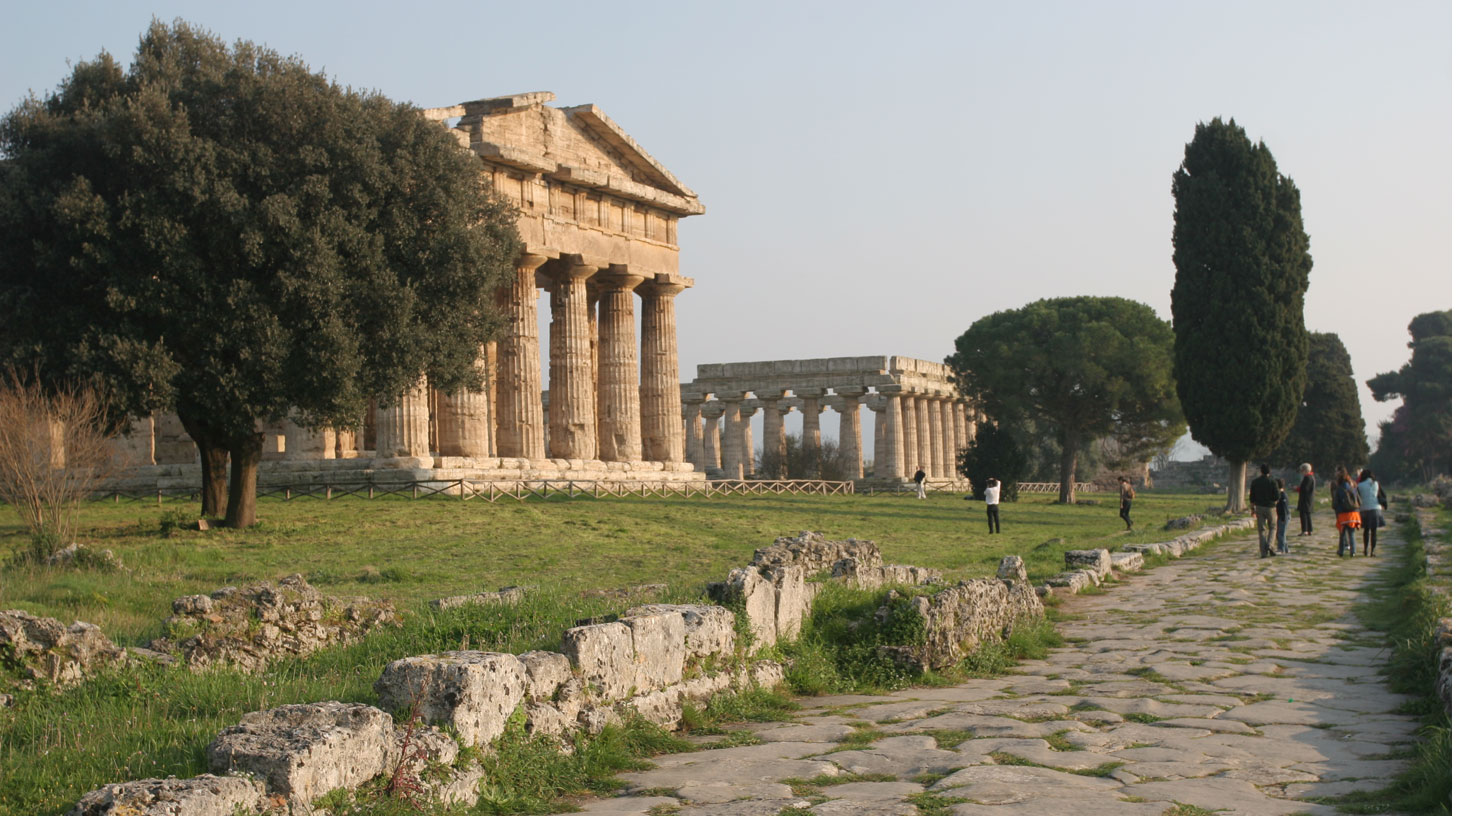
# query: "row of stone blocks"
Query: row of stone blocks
{"points": [[1085, 568]]}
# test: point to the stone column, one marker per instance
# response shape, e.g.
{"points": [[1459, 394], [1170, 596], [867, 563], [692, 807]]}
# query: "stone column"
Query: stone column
{"points": [[878, 406], [403, 427], [909, 434], [710, 455], [519, 367], [811, 421], [462, 421], [950, 438], [694, 434], [748, 410], [301, 443], [489, 361], [971, 415], [659, 381], [347, 442], [934, 424], [732, 460], [774, 430], [896, 442], [618, 368], [850, 444], [924, 437], [571, 401]]}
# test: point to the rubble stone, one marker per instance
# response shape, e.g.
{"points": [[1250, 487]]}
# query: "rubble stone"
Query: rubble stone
{"points": [[44, 649], [205, 795], [1012, 569], [475, 692], [603, 654], [659, 651], [708, 629]]}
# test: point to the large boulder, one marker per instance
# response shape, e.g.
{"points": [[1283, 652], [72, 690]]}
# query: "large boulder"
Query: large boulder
{"points": [[205, 795], [44, 649], [474, 692], [302, 752]]}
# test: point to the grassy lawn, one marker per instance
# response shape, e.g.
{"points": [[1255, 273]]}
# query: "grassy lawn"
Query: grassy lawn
{"points": [[412, 551]]}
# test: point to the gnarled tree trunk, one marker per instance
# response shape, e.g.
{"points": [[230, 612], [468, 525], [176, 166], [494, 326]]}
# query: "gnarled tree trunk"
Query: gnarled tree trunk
{"points": [[1237, 486], [1068, 458], [245, 453], [213, 458]]}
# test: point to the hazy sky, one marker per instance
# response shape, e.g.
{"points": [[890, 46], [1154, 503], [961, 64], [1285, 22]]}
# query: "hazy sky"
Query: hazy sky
{"points": [[878, 176]]}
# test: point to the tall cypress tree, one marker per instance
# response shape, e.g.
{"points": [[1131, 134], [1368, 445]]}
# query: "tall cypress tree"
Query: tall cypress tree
{"points": [[1242, 268], [1329, 430]]}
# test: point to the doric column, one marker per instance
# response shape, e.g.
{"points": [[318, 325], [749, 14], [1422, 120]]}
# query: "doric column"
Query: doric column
{"points": [[659, 381], [732, 460], [850, 440], [710, 455], [747, 435], [571, 401], [618, 368], [519, 367], [403, 425], [950, 438], [925, 436], [302, 443], [960, 429], [909, 434], [971, 415], [694, 434], [773, 429], [934, 462], [489, 361], [347, 443], [896, 441], [877, 404], [811, 421], [462, 419]]}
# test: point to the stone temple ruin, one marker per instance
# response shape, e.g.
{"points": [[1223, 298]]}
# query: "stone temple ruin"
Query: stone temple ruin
{"points": [[920, 416], [599, 217]]}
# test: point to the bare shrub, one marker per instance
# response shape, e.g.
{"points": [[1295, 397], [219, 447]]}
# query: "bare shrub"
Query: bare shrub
{"points": [[53, 452], [800, 462]]}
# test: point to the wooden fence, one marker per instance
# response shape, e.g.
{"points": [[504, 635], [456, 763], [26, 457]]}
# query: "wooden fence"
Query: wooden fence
{"points": [[961, 486]]}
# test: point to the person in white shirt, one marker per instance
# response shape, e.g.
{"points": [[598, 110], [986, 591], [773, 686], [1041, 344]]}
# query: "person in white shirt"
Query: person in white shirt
{"points": [[991, 498]]}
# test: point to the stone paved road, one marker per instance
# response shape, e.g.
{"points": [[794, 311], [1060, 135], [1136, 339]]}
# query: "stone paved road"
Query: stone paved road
{"points": [[1220, 681]]}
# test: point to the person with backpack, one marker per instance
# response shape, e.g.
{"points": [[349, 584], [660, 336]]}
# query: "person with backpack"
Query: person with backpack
{"points": [[1371, 509], [918, 479], [1127, 495], [1283, 516], [1346, 508]]}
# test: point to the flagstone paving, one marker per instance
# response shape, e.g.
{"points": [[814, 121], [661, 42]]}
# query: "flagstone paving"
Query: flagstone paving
{"points": [[1219, 681]]}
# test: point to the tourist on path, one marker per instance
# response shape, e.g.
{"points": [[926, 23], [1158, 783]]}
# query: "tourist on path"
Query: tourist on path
{"points": [[918, 479], [1306, 488], [1127, 494], [1263, 494], [1283, 517], [1371, 500], [1346, 508], [991, 498]]}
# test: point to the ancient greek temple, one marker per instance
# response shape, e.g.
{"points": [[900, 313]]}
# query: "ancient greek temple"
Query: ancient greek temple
{"points": [[920, 418], [599, 217]]}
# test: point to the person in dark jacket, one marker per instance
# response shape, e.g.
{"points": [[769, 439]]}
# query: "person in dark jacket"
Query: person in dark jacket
{"points": [[1263, 494], [1283, 517], [1346, 508], [1306, 488]]}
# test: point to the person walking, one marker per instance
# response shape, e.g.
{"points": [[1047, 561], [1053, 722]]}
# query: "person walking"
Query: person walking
{"points": [[1263, 494], [1370, 511], [1127, 495], [991, 498], [1345, 508], [1283, 516], [1306, 488], [918, 479]]}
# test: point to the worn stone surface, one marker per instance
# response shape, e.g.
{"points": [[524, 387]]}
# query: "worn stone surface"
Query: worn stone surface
{"points": [[302, 752], [44, 649], [205, 795], [1098, 560], [816, 552], [659, 651], [1011, 568], [709, 629], [506, 595], [745, 586], [603, 655], [473, 692]]}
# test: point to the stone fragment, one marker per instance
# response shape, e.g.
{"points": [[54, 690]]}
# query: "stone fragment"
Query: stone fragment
{"points": [[205, 795], [305, 751], [745, 587], [506, 595], [1012, 569], [474, 692], [659, 650], [603, 654], [546, 672], [793, 601], [1127, 561], [816, 552], [44, 649], [1098, 560], [708, 629]]}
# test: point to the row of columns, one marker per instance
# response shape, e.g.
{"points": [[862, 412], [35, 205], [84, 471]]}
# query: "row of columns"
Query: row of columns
{"points": [[909, 430]]}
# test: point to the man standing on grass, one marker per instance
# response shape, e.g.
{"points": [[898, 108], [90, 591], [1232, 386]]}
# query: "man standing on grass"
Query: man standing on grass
{"points": [[918, 479], [991, 498], [1264, 497], [1127, 495]]}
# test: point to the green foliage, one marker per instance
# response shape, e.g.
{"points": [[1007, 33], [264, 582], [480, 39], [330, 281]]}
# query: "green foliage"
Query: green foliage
{"points": [[1084, 367], [1242, 268], [840, 646], [221, 231], [1025, 642], [1329, 430], [1415, 442], [997, 452]]}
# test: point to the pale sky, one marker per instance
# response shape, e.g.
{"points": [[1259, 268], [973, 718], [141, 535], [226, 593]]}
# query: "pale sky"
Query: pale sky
{"points": [[878, 176]]}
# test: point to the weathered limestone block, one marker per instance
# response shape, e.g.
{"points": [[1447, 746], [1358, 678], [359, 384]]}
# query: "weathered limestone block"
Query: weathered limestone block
{"points": [[1070, 581], [1183, 523], [707, 686], [45, 649], [594, 719], [793, 600], [546, 672], [510, 596], [708, 629], [857, 573], [305, 751], [1099, 560], [1127, 561], [659, 650], [816, 552], [1012, 569], [661, 706], [745, 586], [1143, 549], [205, 795], [910, 576], [475, 692], [549, 719], [603, 654], [958, 619]]}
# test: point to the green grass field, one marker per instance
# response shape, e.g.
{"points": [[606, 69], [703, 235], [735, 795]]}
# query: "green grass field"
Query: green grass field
{"points": [[415, 550]]}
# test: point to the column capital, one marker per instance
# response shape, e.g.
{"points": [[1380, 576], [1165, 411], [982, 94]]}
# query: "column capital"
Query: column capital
{"points": [[692, 397], [574, 267], [663, 283], [618, 276], [533, 258], [850, 391], [876, 402], [712, 409]]}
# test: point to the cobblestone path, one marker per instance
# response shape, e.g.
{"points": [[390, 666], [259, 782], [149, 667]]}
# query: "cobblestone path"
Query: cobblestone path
{"points": [[1220, 682]]}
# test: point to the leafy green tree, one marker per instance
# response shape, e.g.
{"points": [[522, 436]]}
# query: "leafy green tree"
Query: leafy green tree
{"points": [[1085, 367], [1415, 442], [1242, 268], [220, 231], [1329, 430], [997, 452]]}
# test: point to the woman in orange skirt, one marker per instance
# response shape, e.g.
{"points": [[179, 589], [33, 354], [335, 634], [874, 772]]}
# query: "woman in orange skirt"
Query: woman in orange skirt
{"points": [[1346, 506]]}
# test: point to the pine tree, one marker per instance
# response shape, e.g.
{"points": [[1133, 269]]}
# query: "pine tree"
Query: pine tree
{"points": [[1329, 430]]}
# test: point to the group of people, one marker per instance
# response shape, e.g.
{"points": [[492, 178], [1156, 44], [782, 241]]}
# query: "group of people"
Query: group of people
{"points": [[1357, 505]]}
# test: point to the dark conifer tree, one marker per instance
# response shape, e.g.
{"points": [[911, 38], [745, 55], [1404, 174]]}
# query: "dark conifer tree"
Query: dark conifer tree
{"points": [[1415, 442], [1329, 430]]}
